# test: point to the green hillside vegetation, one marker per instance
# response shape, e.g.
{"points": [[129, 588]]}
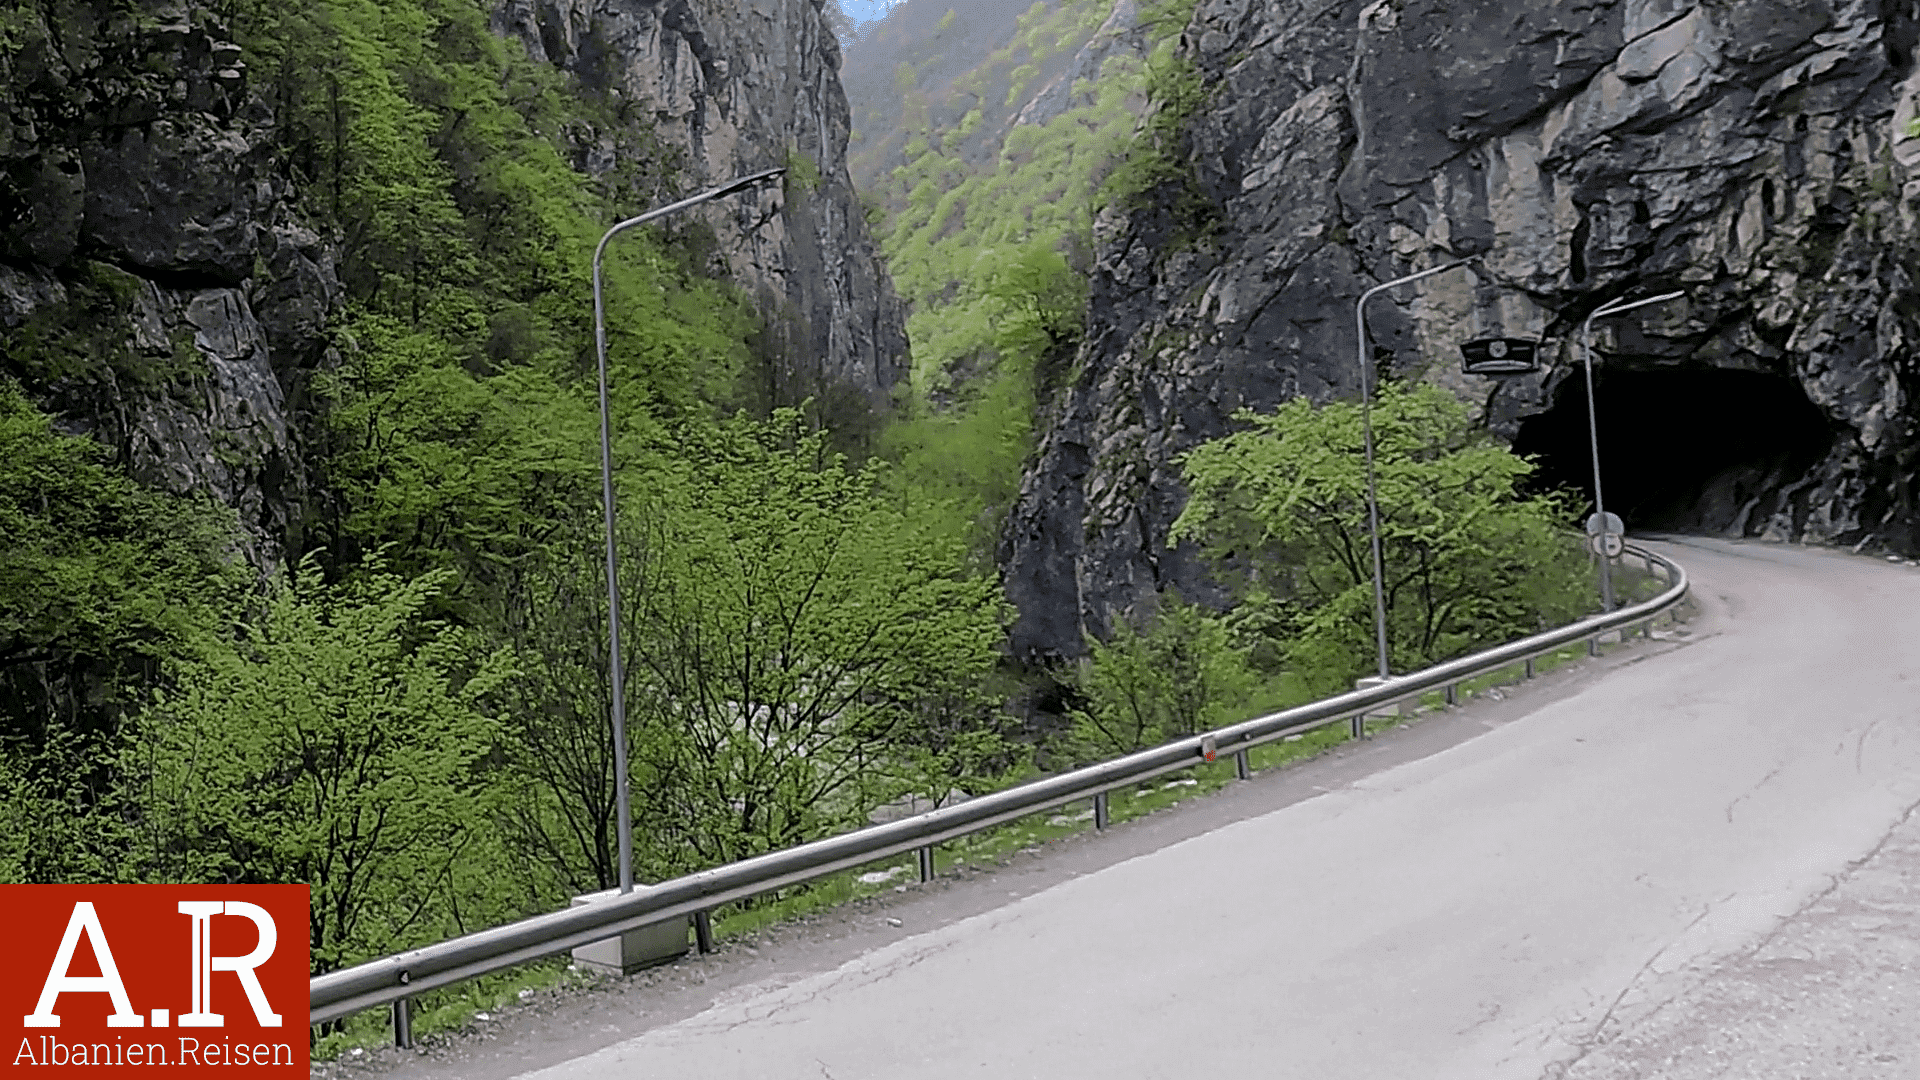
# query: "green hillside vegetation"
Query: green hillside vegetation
{"points": [[413, 721], [988, 234], [908, 61]]}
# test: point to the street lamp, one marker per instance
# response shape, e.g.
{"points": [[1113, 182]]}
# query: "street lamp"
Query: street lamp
{"points": [[624, 823], [1611, 307], [1366, 427]]}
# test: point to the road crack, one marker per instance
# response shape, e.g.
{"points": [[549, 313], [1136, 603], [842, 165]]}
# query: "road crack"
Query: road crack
{"points": [[1743, 795], [1593, 1040], [1587, 1043]]}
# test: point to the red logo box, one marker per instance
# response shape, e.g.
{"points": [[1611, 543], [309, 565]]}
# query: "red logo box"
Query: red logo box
{"points": [[186, 978]]}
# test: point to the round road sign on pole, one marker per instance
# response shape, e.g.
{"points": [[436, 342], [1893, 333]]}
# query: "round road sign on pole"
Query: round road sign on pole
{"points": [[1605, 523], [1608, 544]]}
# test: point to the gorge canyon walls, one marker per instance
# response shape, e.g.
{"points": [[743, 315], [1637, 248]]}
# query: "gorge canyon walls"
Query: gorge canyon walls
{"points": [[161, 290], [1755, 153]]}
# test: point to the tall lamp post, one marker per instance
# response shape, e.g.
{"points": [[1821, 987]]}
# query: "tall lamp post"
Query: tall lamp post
{"points": [[624, 824], [1612, 307], [1366, 427]]}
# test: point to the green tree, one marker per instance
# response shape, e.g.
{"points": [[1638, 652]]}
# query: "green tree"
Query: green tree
{"points": [[1182, 675], [557, 710], [100, 578], [338, 742], [1281, 509], [805, 651], [60, 819]]}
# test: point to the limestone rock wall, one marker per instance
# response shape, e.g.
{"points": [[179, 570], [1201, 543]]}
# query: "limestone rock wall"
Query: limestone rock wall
{"points": [[168, 299], [737, 86], [1752, 152], [134, 158]]}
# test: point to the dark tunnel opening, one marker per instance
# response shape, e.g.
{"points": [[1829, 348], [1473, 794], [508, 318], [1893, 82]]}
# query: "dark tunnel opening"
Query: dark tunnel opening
{"points": [[1710, 450]]}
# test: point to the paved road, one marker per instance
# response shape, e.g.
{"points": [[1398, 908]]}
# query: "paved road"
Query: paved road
{"points": [[1570, 889]]}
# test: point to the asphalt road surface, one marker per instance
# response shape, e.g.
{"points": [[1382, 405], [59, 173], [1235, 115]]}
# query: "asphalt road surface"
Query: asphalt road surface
{"points": [[1695, 863]]}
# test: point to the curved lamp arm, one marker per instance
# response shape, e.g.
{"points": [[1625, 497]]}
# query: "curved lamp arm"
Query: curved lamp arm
{"points": [[1366, 429], [624, 823]]}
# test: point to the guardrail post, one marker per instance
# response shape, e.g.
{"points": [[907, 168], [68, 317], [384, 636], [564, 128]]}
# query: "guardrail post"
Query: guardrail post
{"points": [[403, 1023], [703, 932], [1529, 667], [1240, 764], [1100, 810], [1593, 645], [926, 862], [1453, 694], [1357, 727]]}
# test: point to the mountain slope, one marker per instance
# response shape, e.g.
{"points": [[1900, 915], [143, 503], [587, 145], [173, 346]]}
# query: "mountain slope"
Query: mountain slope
{"points": [[987, 159], [1761, 157]]}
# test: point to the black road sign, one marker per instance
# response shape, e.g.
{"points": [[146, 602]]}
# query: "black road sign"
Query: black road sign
{"points": [[1499, 356]]}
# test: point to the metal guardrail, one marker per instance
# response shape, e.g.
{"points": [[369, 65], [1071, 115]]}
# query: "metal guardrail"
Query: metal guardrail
{"points": [[394, 979]]}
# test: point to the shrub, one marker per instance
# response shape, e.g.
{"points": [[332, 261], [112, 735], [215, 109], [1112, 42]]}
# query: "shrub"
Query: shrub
{"points": [[1281, 510]]}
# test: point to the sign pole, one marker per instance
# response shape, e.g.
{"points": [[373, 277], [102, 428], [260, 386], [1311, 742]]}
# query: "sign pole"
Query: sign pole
{"points": [[1593, 428]]}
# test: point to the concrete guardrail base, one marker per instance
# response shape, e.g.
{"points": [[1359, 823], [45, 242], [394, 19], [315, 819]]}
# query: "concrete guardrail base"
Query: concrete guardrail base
{"points": [[635, 949]]}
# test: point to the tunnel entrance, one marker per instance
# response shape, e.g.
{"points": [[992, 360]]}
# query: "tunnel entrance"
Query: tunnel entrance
{"points": [[1701, 450]]}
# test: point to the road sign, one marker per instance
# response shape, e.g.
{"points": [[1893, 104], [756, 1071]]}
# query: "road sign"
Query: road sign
{"points": [[1608, 544], [1605, 523], [1499, 356]]}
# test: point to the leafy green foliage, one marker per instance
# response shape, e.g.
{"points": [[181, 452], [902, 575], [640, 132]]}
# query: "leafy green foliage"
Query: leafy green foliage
{"points": [[961, 465], [799, 646], [989, 239], [335, 743], [97, 574], [804, 649], [1183, 675], [463, 429], [59, 809], [1281, 508], [803, 173]]}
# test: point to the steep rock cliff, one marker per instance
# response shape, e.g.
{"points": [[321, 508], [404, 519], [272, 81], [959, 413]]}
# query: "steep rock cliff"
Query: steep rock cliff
{"points": [[736, 86], [158, 290], [1754, 153]]}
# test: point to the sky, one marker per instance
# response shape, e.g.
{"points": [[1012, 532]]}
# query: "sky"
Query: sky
{"points": [[865, 11]]}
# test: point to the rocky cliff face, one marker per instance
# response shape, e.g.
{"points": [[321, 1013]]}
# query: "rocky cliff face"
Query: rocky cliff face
{"points": [[736, 86], [1754, 153], [159, 290]]}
